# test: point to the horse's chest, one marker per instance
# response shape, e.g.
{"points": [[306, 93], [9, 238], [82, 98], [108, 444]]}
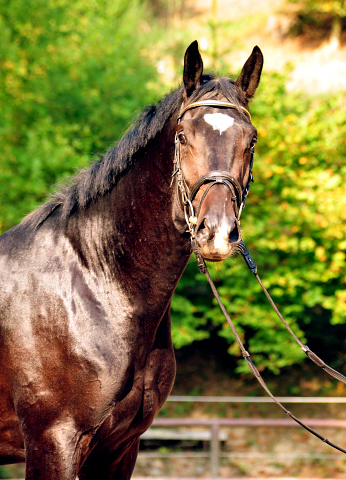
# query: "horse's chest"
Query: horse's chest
{"points": [[144, 393]]}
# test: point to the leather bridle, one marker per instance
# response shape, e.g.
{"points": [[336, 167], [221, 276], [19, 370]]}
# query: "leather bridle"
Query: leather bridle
{"points": [[186, 195]]}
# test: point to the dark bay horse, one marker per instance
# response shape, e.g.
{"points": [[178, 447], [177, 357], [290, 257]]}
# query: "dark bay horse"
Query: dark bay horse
{"points": [[86, 280]]}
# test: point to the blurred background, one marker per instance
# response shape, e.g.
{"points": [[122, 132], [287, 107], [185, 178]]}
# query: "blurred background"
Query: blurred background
{"points": [[74, 76]]}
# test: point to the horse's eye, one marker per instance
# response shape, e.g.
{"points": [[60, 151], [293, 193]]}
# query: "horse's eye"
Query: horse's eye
{"points": [[253, 143], [182, 138]]}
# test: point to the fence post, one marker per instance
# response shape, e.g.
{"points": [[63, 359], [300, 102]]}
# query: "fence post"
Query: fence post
{"points": [[214, 451]]}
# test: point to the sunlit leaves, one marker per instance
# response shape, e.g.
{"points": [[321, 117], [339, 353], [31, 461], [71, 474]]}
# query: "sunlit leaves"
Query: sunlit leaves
{"points": [[73, 74], [335, 7], [294, 226]]}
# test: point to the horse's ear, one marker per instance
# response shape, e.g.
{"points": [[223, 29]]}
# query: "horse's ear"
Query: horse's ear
{"points": [[193, 69], [250, 75]]}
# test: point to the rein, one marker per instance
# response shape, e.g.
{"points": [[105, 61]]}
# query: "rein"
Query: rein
{"points": [[309, 353], [319, 362], [186, 196]]}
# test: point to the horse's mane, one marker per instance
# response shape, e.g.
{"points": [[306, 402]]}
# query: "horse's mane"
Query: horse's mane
{"points": [[90, 184]]}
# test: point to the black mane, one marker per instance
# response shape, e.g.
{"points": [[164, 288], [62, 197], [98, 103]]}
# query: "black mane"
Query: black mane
{"points": [[99, 179]]}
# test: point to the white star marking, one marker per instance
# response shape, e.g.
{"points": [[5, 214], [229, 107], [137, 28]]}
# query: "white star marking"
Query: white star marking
{"points": [[219, 121]]}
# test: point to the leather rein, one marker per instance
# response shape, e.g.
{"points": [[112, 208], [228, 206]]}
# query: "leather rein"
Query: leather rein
{"points": [[186, 197]]}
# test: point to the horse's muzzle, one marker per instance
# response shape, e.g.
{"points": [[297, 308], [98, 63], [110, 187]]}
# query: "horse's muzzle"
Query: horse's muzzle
{"points": [[217, 240]]}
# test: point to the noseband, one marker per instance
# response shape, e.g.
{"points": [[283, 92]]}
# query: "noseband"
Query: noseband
{"points": [[215, 177]]}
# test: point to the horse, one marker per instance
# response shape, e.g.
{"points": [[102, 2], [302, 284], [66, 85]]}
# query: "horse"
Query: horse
{"points": [[87, 279]]}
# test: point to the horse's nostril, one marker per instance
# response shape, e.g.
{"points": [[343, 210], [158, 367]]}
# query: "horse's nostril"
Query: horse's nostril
{"points": [[205, 232], [234, 235], [202, 225]]}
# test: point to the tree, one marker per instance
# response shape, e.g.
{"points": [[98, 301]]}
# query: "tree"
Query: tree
{"points": [[323, 11], [73, 73], [294, 225], [72, 76]]}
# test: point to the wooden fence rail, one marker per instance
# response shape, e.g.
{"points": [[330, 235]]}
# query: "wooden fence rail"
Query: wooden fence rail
{"points": [[214, 434]]}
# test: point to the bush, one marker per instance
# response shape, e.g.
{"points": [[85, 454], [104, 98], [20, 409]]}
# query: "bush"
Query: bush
{"points": [[294, 226], [73, 74]]}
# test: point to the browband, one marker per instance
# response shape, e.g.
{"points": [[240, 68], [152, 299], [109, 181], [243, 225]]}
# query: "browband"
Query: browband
{"points": [[211, 103]]}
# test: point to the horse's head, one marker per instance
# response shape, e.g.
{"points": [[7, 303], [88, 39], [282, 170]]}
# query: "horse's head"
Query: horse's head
{"points": [[214, 151]]}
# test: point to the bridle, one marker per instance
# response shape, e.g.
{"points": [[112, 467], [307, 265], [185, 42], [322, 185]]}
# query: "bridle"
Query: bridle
{"points": [[186, 196]]}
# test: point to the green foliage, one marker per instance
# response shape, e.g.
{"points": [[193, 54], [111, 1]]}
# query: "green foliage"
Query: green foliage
{"points": [[294, 225], [74, 73], [334, 7], [316, 17], [3, 472], [72, 76]]}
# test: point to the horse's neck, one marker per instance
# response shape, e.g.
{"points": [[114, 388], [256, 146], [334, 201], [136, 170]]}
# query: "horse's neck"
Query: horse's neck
{"points": [[133, 235]]}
